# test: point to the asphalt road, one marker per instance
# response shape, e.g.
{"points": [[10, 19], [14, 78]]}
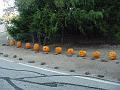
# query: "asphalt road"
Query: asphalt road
{"points": [[17, 76]]}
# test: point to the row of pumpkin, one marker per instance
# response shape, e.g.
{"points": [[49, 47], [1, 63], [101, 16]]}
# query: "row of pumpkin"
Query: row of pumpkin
{"points": [[112, 55]]}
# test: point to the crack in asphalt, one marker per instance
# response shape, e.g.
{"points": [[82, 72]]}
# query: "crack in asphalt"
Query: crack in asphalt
{"points": [[22, 70], [56, 84], [50, 84], [11, 83]]}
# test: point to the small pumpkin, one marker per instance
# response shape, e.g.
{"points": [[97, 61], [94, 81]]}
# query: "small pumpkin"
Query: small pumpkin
{"points": [[19, 44], [28, 46], [82, 53], [112, 55], [96, 54], [36, 47], [70, 51], [12, 42], [46, 49], [58, 50]]}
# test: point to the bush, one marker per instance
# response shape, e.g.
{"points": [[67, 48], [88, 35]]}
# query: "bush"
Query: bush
{"points": [[41, 19]]}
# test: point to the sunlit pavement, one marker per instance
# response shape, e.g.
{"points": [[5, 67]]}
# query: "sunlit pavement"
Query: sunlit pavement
{"points": [[16, 76]]}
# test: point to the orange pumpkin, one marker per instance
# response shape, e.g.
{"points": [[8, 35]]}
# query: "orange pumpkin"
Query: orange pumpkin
{"points": [[70, 51], [36, 47], [112, 55], [82, 53], [96, 54], [58, 50], [46, 49], [19, 44], [28, 46], [12, 42]]}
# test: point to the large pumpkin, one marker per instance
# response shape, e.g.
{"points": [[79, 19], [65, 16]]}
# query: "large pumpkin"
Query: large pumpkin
{"points": [[70, 51], [19, 44], [58, 50], [12, 42], [28, 46], [46, 49], [112, 55], [96, 54], [82, 53], [36, 47]]}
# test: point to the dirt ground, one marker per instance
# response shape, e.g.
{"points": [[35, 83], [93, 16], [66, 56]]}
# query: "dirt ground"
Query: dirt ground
{"points": [[108, 70], [102, 68]]}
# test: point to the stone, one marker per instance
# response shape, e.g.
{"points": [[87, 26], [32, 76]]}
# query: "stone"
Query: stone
{"points": [[56, 67], [92, 59], [7, 45], [15, 56], [87, 73], [20, 59], [55, 53], [31, 61], [43, 63], [104, 60], [100, 76], [72, 70], [3, 44], [6, 55], [117, 62], [1, 53]]}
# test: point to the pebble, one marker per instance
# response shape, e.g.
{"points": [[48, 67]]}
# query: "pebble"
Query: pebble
{"points": [[6, 55], [87, 73], [104, 60], [72, 70], [55, 54], [31, 61], [1, 53], [43, 63], [3, 44], [7, 45], [20, 59], [117, 62], [15, 56], [100, 76], [92, 58], [56, 67]]}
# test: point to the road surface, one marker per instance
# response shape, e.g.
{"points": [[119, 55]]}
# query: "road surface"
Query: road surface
{"points": [[18, 76]]}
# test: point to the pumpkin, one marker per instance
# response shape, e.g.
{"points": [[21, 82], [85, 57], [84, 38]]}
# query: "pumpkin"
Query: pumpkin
{"points": [[36, 47], [12, 42], [58, 50], [19, 44], [46, 49], [112, 55], [82, 53], [96, 54], [70, 51], [28, 46]]}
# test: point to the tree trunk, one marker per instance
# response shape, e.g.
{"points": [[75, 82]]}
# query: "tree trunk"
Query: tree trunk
{"points": [[36, 39]]}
